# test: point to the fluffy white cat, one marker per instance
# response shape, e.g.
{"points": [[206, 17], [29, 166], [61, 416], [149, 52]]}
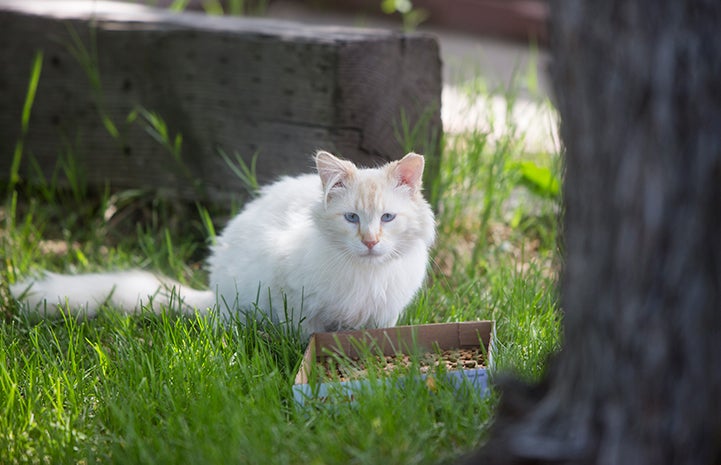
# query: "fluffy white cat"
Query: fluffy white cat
{"points": [[346, 248]]}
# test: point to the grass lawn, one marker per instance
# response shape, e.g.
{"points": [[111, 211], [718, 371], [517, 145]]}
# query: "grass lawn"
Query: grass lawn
{"points": [[167, 389]]}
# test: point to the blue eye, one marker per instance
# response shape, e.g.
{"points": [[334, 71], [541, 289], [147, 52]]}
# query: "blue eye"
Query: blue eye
{"points": [[387, 217], [352, 217]]}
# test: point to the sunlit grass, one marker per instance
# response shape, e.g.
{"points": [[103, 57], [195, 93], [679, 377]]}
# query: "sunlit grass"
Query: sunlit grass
{"points": [[168, 389]]}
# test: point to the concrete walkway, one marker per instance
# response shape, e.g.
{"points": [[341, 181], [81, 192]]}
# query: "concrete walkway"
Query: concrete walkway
{"points": [[470, 61]]}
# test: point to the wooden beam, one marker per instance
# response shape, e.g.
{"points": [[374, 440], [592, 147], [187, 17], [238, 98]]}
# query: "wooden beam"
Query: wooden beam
{"points": [[238, 85]]}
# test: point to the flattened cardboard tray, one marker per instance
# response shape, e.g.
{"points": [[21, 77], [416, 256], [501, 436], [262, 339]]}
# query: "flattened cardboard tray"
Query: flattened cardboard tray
{"points": [[394, 341]]}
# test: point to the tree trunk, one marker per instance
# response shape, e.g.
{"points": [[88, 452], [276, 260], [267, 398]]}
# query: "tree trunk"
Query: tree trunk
{"points": [[638, 87]]}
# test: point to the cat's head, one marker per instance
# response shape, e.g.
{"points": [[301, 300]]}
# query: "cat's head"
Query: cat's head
{"points": [[374, 214]]}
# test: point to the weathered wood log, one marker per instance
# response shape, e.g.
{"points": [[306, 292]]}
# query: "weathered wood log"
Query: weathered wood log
{"points": [[240, 85]]}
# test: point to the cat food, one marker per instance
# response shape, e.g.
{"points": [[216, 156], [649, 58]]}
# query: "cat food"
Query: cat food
{"points": [[451, 359], [458, 352]]}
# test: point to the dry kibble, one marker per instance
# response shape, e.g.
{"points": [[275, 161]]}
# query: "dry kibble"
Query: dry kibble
{"points": [[451, 359]]}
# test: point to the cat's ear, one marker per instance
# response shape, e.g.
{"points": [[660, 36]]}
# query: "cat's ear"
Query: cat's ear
{"points": [[408, 171], [333, 171]]}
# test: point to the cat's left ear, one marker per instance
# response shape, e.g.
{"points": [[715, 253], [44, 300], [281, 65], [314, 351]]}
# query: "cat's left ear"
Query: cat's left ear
{"points": [[333, 172], [408, 171]]}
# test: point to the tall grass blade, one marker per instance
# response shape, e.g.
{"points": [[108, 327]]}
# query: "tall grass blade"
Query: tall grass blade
{"points": [[207, 222], [179, 5], [246, 174], [25, 119], [87, 57]]}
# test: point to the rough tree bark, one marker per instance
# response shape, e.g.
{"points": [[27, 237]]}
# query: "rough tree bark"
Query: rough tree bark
{"points": [[638, 87]]}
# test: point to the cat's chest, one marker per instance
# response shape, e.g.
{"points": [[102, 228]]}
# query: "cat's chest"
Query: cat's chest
{"points": [[362, 298]]}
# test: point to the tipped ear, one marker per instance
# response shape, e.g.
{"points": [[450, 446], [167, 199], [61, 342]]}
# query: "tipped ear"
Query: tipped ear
{"points": [[409, 171], [332, 170]]}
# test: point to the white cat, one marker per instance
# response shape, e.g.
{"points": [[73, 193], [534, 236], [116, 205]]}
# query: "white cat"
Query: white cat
{"points": [[344, 249]]}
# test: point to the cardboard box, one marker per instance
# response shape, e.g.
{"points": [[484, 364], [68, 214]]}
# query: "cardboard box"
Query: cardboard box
{"points": [[394, 341]]}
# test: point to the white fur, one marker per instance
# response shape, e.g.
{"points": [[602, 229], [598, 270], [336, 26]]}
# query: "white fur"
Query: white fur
{"points": [[128, 290], [292, 252]]}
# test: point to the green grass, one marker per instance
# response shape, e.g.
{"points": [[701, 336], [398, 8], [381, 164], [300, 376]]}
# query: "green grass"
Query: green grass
{"points": [[167, 389]]}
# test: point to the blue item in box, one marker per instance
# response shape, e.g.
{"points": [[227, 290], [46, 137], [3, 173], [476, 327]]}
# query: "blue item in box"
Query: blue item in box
{"points": [[393, 341]]}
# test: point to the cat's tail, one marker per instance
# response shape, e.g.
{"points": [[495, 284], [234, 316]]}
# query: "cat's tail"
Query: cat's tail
{"points": [[128, 291]]}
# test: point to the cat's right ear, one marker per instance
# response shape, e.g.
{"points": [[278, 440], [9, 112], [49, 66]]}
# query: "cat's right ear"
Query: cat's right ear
{"points": [[333, 172]]}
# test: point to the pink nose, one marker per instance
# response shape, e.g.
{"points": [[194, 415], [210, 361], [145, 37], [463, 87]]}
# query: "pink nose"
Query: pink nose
{"points": [[370, 244]]}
